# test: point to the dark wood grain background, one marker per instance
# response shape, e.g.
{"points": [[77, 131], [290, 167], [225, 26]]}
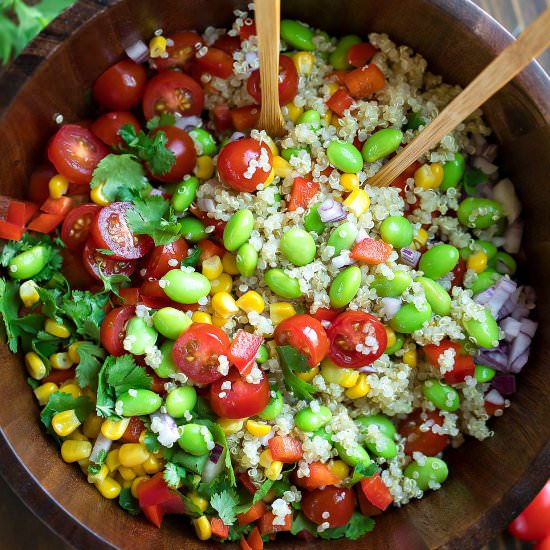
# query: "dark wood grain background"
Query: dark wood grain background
{"points": [[20, 529]]}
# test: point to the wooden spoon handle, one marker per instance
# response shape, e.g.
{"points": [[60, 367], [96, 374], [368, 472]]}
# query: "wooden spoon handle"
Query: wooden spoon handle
{"points": [[533, 41]]}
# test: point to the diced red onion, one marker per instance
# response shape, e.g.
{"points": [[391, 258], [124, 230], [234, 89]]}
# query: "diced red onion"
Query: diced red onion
{"points": [[138, 52], [528, 327], [505, 384], [235, 136], [101, 444], [212, 469], [215, 453], [188, 122], [520, 311], [484, 165], [368, 369], [331, 211], [251, 58], [390, 306], [342, 261], [519, 362], [495, 358], [206, 205], [165, 427], [497, 295], [511, 328], [410, 257], [519, 346], [512, 237], [505, 193], [494, 397], [480, 143], [484, 296]]}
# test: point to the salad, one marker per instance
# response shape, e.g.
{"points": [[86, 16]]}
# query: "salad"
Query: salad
{"points": [[241, 330]]}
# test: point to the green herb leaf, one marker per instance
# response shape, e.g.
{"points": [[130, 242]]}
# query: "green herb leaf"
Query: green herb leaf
{"points": [[95, 467], [59, 402], [87, 370], [127, 502], [151, 442], [9, 309], [236, 532], [105, 251], [193, 259], [191, 509], [224, 503], [87, 311], [472, 178], [292, 360], [361, 472], [174, 474], [357, 526], [112, 283], [165, 119]]}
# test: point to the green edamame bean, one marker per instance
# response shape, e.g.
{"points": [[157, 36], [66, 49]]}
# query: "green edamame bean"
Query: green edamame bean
{"points": [[297, 35], [195, 439], [327, 436], [167, 366], [139, 336], [484, 280], [246, 260], [345, 286], [274, 407], [345, 156], [384, 424], [381, 144], [309, 420], [392, 288], [453, 170], [431, 470], [180, 401], [192, 229], [138, 403], [382, 445], [312, 220], [29, 263], [355, 455], [171, 322], [484, 333], [477, 213], [282, 284], [409, 318], [439, 260], [298, 246], [343, 237], [311, 117], [486, 246], [504, 263], [263, 355], [484, 374], [399, 341], [339, 57], [397, 231], [186, 287], [289, 152], [414, 121], [436, 296], [443, 396], [185, 194], [238, 229], [205, 144]]}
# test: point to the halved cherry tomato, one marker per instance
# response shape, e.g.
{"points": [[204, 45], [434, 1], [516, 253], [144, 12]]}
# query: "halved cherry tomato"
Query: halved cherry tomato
{"points": [[58, 206], [366, 508], [339, 502], [243, 350], [371, 251], [120, 87], [181, 144], [234, 164], [75, 152], [267, 527], [245, 117], [227, 44], [172, 92], [242, 400], [248, 29], [166, 257], [133, 431], [285, 448], [75, 272], [156, 499], [107, 126], [339, 101], [219, 529], [365, 81], [209, 248], [215, 62], [376, 491], [360, 54], [94, 261], [303, 190], [181, 52], [326, 314], [76, 225], [288, 81], [350, 329], [426, 442], [38, 190], [306, 334], [319, 476], [127, 297], [113, 329], [256, 511], [219, 225], [534, 522]]}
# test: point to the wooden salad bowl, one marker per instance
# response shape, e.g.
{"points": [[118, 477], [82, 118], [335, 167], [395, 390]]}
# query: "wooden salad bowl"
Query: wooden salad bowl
{"points": [[490, 481]]}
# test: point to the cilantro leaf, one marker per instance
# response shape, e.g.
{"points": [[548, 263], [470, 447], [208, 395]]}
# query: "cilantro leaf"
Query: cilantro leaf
{"points": [[173, 474], [191, 509], [236, 532], [112, 283], [164, 119], [25, 328], [224, 503], [263, 490], [95, 467], [88, 368], [361, 472], [358, 525], [86, 310], [292, 360], [127, 502], [151, 442], [9, 309], [59, 402], [193, 259], [45, 344]]}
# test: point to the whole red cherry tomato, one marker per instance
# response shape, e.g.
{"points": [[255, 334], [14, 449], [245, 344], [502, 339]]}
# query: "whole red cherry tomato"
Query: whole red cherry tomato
{"points": [[338, 502], [76, 226], [120, 87], [107, 126], [113, 329], [288, 81], [534, 522], [215, 62]]}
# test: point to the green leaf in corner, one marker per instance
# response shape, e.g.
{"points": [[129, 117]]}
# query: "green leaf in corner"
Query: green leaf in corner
{"points": [[59, 402], [128, 503], [89, 365], [291, 361], [361, 472]]}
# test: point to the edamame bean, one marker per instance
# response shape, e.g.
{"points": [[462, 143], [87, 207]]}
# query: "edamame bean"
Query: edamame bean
{"points": [[345, 156], [345, 286], [392, 288], [309, 420], [381, 445], [432, 470], [397, 231], [343, 237], [139, 336], [453, 170], [414, 121], [399, 341], [263, 355], [205, 144], [327, 436], [312, 220], [298, 246], [439, 260], [29, 263], [180, 401], [311, 117], [138, 403], [355, 455], [282, 284], [410, 318], [504, 263], [436, 296], [339, 57], [443, 396], [486, 246], [477, 213], [195, 439], [384, 424], [238, 229], [297, 35], [484, 333], [185, 193], [381, 144], [185, 287], [167, 366], [171, 322], [274, 407], [289, 152], [246, 260], [484, 374], [484, 280], [192, 229]]}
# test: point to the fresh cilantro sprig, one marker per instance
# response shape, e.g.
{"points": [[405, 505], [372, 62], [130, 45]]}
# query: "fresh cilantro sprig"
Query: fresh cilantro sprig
{"points": [[95, 467], [361, 472], [127, 502], [174, 474], [225, 503], [89, 365], [164, 119], [357, 526], [291, 361], [193, 259], [86, 310]]}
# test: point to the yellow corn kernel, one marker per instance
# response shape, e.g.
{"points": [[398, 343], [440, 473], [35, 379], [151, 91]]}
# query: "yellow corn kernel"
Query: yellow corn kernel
{"points": [[73, 351], [309, 375], [390, 333], [109, 488], [28, 293], [71, 388], [224, 283], [410, 358], [429, 176], [201, 317], [350, 182], [212, 267], [274, 470], [293, 111], [65, 423], [279, 311], [477, 261], [270, 178], [35, 366], [303, 61], [229, 262], [333, 374], [360, 389], [58, 186], [138, 470], [92, 426], [265, 459], [98, 196], [338, 468], [157, 46], [198, 501], [332, 88], [218, 321], [132, 454], [100, 476], [204, 169], [56, 329], [126, 484], [231, 426], [135, 484], [152, 465], [61, 361], [112, 460], [127, 474], [114, 429], [224, 304], [251, 301], [282, 167], [43, 392], [142, 437], [327, 117], [73, 451], [77, 435], [358, 202], [257, 429], [202, 528], [420, 239]]}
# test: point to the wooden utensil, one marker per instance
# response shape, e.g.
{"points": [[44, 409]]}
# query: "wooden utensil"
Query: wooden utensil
{"points": [[268, 17], [532, 42]]}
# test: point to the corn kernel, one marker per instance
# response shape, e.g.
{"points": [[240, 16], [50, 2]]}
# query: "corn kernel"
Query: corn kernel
{"points": [[35, 366], [61, 361], [327, 117], [77, 435], [339, 468], [350, 182], [157, 46], [274, 470], [100, 476], [109, 488], [98, 196], [309, 375], [420, 239], [201, 317], [282, 167], [229, 262], [224, 283], [200, 502], [266, 459], [135, 484], [202, 528], [212, 267], [204, 169], [65, 423], [43, 392], [360, 389], [410, 358], [332, 88], [56, 329], [477, 261], [114, 429], [152, 465], [92, 426], [358, 202], [127, 474], [58, 186], [303, 61], [293, 111], [390, 333], [138, 470], [126, 483], [132, 454], [73, 451], [257, 429], [28, 293], [333, 374], [231, 426], [112, 460], [73, 351], [429, 176], [270, 178], [218, 321], [251, 301], [279, 311], [224, 304], [71, 388]]}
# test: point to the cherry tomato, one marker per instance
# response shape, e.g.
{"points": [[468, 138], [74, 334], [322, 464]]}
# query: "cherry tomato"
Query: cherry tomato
{"points": [[113, 329], [350, 329], [76, 226], [133, 431], [75, 152], [172, 92], [534, 522], [182, 52], [242, 400], [197, 350], [234, 164], [120, 87], [458, 274], [306, 334], [75, 271], [110, 230], [94, 261], [215, 62], [227, 44], [107, 126], [162, 258], [543, 544], [426, 442], [181, 144], [326, 314], [245, 117], [247, 29], [339, 502], [221, 116], [288, 81], [38, 190]]}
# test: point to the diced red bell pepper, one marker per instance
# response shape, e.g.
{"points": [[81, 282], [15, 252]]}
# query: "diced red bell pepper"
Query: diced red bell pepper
{"points": [[285, 449], [255, 539], [302, 192], [59, 376], [365, 81], [10, 231], [464, 366], [133, 430], [219, 528], [210, 248], [401, 180], [16, 213], [257, 511], [433, 352], [376, 491], [326, 314], [319, 476], [30, 210], [337, 76], [221, 115], [246, 482], [361, 54], [58, 206], [244, 544], [156, 499], [246, 117], [265, 523], [424, 440], [243, 350], [45, 223], [367, 509], [371, 251], [339, 101]]}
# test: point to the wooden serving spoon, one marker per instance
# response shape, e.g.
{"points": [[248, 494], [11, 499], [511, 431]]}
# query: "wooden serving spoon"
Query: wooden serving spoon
{"points": [[531, 43]]}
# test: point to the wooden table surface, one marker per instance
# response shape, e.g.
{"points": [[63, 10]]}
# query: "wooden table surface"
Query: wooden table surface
{"points": [[20, 529]]}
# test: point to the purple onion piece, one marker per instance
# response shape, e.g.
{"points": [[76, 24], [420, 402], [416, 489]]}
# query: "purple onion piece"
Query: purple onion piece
{"points": [[520, 312], [484, 165], [342, 261], [504, 289], [519, 346], [410, 257], [235, 136], [187, 122], [497, 358], [519, 362], [215, 453], [511, 328], [505, 384], [485, 296], [528, 327], [206, 205], [494, 397], [331, 211]]}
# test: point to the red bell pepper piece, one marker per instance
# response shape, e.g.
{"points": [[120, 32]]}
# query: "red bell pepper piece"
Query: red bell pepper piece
{"points": [[133, 430], [365, 81], [215, 62], [339, 101], [423, 440], [361, 54], [30, 210], [243, 350], [265, 523], [58, 206], [255, 539], [376, 491], [156, 499], [433, 352], [45, 223], [244, 544], [245, 118], [367, 509], [285, 449], [319, 476], [463, 364], [16, 213], [219, 528], [209, 249], [303, 190], [256, 512], [533, 523], [246, 482], [371, 251], [11, 231]]}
